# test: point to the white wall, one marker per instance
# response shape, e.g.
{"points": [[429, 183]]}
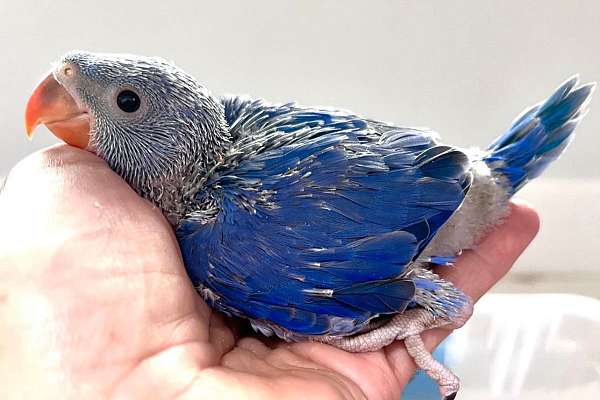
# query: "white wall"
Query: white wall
{"points": [[463, 68]]}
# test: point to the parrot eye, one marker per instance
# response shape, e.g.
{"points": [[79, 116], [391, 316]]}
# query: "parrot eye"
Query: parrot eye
{"points": [[128, 101]]}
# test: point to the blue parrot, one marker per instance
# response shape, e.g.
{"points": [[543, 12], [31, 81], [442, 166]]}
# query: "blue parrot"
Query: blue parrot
{"points": [[310, 222]]}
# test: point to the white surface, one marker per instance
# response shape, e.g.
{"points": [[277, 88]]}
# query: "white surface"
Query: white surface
{"points": [[529, 347], [465, 69], [569, 237]]}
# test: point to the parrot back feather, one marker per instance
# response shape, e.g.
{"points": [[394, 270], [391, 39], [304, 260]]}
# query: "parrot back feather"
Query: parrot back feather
{"points": [[319, 214]]}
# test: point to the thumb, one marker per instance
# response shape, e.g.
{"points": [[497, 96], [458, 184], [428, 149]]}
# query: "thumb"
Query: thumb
{"points": [[63, 197]]}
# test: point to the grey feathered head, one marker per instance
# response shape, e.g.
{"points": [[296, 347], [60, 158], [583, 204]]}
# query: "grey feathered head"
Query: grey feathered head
{"points": [[153, 123]]}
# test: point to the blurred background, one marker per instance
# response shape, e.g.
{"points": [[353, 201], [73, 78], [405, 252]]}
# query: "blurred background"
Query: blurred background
{"points": [[465, 69]]}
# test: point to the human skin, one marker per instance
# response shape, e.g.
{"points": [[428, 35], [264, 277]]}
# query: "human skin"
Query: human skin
{"points": [[95, 302]]}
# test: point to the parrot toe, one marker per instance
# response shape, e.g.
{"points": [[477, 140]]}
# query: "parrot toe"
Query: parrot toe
{"points": [[408, 326]]}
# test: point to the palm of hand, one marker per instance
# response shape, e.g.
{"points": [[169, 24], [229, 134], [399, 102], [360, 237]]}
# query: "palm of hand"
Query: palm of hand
{"points": [[95, 302]]}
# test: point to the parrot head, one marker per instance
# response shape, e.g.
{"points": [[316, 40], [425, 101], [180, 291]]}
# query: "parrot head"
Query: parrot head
{"points": [[149, 120]]}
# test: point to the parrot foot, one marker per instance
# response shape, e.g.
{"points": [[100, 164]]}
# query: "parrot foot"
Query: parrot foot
{"points": [[408, 327]]}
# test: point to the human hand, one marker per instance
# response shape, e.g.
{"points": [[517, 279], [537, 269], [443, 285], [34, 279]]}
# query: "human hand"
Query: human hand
{"points": [[95, 302]]}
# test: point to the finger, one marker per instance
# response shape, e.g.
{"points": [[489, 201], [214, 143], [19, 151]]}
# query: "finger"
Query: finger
{"points": [[77, 230], [255, 346], [243, 360], [68, 199], [75, 183], [476, 271], [221, 337]]}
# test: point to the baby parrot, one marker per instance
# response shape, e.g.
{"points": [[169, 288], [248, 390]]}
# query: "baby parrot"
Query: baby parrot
{"points": [[314, 224]]}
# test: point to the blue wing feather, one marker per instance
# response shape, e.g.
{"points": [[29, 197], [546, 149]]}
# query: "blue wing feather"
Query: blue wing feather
{"points": [[318, 213]]}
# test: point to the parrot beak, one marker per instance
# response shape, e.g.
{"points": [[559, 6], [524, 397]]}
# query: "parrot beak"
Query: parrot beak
{"points": [[51, 105]]}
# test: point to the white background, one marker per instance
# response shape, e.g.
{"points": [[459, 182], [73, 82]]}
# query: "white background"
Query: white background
{"points": [[462, 68]]}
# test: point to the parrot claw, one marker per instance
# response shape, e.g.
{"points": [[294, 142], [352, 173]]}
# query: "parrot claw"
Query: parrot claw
{"points": [[450, 396], [408, 326]]}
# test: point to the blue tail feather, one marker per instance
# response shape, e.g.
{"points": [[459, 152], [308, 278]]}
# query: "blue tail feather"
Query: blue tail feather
{"points": [[539, 135]]}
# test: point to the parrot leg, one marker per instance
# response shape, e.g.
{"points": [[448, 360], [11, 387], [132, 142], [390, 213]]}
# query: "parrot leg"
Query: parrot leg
{"points": [[408, 326]]}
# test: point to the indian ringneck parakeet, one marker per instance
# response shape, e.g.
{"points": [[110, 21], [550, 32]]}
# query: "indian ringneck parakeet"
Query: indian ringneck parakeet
{"points": [[312, 223]]}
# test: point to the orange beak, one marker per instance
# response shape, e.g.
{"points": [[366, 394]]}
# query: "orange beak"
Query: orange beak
{"points": [[51, 105]]}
